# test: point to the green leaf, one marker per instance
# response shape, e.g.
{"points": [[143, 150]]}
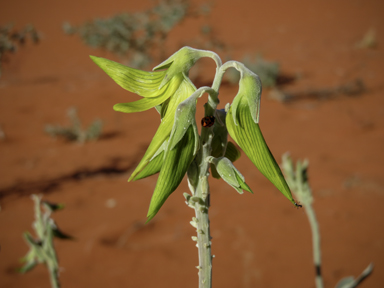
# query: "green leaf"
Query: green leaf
{"points": [[30, 240], [143, 83], [248, 136], [52, 206], [60, 234], [27, 267], [163, 132], [175, 166]]}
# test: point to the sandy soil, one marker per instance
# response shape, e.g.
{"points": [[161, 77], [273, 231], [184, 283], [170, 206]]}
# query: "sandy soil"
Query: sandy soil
{"points": [[259, 240]]}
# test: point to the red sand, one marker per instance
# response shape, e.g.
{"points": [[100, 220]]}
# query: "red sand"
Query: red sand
{"points": [[259, 240]]}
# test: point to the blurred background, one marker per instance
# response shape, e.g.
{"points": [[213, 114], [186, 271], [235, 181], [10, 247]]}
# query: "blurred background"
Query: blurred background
{"points": [[322, 65]]}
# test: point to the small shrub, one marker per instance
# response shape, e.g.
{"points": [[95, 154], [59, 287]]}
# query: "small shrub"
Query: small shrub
{"points": [[75, 132], [136, 36], [133, 35], [41, 248], [10, 39]]}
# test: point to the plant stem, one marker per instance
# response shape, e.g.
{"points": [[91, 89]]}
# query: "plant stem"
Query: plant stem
{"points": [[54, 278], [201, 194], [44, 229], [298, 181], [202, 220], [52, 263], [304, 195], [315, 243]]}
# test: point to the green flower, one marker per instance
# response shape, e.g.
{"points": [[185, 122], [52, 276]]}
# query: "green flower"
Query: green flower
{"points": [[229, 173], [242, 124], [163, 90], [181, 149]]}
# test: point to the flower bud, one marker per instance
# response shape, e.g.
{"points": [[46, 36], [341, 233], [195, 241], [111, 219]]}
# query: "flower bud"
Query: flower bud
{"points": [[230, 174]]}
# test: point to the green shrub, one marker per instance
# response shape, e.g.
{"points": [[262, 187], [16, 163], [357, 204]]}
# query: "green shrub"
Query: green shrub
{"points": [[75, 132]]}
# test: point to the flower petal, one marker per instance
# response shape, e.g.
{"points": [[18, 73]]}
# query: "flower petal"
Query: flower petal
{"points": [[153, 167], [148, 103], [175, 166], [249, 88], [184, 118], [143, 83], [185, 89], [182, 60], [248, 136], [141, 105]]}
